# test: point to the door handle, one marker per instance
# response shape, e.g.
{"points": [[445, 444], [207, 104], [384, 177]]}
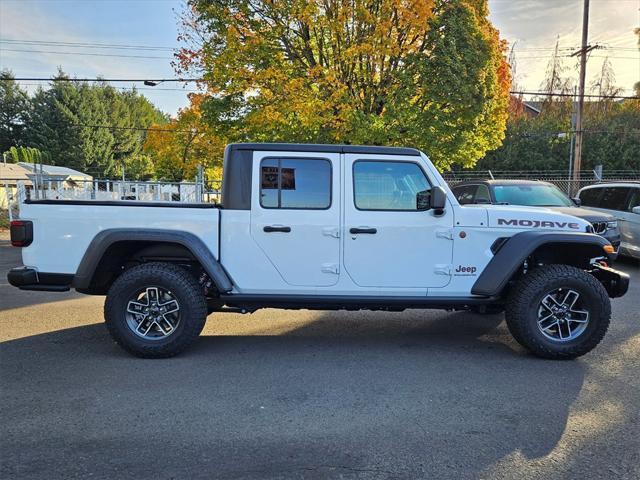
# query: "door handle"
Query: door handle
{"points": [[277, 228], [368, 230]]}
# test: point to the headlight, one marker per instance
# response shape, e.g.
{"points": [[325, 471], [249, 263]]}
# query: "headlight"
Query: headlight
{"points": [[612, 225]]}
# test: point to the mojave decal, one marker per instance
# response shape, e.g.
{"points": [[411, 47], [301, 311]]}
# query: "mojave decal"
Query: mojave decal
{"points": [[538, 223]]}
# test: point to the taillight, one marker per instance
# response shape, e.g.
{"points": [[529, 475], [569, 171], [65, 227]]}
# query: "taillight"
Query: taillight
{"points": [[21, 233]]}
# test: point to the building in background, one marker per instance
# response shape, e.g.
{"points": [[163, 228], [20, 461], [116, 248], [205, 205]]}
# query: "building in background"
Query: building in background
{"points": [[10, 175]]}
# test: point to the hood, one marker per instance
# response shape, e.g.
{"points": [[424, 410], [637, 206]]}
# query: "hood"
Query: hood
{"points": [[589, 215], [535, 218]]}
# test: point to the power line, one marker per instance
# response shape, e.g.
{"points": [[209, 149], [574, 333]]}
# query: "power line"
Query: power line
{"points": [[111, 46], [144, 129], [551, 49], [556, 134], [137, 88], [569, 56], [84, 54], [98, 79], [551, 94], [188, 80]]}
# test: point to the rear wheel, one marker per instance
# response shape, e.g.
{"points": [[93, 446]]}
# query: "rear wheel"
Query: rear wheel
{"points": [[558, 312], [155, 310]]}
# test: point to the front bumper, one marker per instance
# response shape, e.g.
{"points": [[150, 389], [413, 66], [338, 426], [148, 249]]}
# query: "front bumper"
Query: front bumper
{"points": [[613, 235], [615, 282], [29, 279]]}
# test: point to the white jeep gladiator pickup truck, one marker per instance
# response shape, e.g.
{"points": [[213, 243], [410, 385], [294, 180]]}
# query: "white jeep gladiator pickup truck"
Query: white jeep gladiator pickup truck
{"points": [[321, 227]]}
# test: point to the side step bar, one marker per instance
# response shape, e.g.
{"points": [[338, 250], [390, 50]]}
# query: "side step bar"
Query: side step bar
{"points": [[252, 302]]}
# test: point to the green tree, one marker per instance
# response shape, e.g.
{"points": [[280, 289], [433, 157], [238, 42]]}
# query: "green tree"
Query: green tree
{"points": [[91, 127], [27, 155], [611, 139], [425, 73], [14, 112], [532, 144]]}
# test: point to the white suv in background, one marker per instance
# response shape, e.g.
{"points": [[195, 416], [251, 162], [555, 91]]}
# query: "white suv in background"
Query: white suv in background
{"points": [[623, 201]]}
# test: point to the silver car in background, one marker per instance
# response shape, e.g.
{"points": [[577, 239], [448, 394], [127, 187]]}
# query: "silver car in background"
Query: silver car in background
{"points": [[623, 201]]}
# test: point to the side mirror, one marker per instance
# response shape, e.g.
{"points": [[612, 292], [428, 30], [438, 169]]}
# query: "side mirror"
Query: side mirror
{"points": [[577, 201], [438, 200], [636, 210]]}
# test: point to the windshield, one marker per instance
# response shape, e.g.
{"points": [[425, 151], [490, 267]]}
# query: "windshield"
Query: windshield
{"points": [[531, 195]]}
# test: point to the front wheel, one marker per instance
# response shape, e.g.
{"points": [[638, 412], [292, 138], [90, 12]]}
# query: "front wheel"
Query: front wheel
{"points": [[558, 312], [155, 310]]}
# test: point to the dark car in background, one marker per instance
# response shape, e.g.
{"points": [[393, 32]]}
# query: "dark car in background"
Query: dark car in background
{"points": [[533, 193]]}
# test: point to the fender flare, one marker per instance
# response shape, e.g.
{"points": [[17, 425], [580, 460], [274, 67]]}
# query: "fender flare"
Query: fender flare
{"points": [[103, 240], [515, 250]]}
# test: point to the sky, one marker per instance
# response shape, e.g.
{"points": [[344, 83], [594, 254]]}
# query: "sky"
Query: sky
{"points": [[534, 26]]}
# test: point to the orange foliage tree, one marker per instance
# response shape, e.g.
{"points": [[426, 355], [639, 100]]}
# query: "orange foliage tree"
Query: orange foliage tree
{"points": [[426, 73], [184, 143]]}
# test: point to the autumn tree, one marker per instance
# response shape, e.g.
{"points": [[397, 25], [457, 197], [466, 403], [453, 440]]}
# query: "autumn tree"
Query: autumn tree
{"points": [[426, 73], [177, 148]]}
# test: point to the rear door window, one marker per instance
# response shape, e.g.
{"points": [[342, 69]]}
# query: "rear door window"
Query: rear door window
{"points": [[295, 183]]}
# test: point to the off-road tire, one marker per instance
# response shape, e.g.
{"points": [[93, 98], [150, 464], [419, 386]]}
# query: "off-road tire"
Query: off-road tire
{"points": [[522, 310], [183, 286]]}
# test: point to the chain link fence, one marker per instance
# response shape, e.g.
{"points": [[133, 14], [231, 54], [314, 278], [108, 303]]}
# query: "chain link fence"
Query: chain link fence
{"points": [[557, 177]]}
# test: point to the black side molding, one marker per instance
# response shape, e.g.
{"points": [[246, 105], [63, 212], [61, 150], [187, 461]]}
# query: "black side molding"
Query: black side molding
{"points": [[512, 253], [106, 238]]}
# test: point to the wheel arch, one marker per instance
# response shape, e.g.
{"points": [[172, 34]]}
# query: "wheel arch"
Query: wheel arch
{"points": [[568, 248], [112, 248]]}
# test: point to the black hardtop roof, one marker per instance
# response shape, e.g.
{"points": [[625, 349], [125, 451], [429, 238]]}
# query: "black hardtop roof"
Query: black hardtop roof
{"points": [[324, 148]]}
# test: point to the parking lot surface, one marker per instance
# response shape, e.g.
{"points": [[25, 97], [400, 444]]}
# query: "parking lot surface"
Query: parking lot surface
{"points": [[286, 394]]}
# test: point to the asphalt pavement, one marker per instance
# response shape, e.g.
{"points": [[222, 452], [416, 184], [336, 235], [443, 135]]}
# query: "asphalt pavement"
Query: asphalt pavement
{"points": [[300, 394]]}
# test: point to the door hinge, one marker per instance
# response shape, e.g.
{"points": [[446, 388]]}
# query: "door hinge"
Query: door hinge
{"points": [[448, 234], [330, 268], [443, 269], [331, 232]]}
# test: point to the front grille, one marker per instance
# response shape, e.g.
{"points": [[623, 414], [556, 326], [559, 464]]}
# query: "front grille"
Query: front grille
{"points": [[599, 227]]}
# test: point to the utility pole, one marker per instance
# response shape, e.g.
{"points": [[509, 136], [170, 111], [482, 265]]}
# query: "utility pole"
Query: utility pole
{"points": [[572, 137], [577, 159]]}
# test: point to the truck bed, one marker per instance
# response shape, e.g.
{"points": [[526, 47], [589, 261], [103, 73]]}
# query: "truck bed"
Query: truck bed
{"points": [[63, 229]]}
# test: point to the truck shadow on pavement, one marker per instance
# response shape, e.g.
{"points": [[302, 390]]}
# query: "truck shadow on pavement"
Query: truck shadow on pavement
{"points": [[344, 396]]}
